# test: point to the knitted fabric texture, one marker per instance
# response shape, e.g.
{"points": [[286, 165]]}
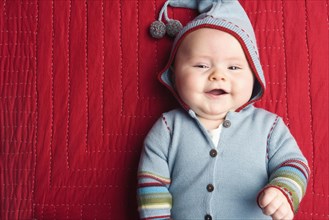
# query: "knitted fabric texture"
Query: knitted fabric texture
{"points": [[177, 166]]}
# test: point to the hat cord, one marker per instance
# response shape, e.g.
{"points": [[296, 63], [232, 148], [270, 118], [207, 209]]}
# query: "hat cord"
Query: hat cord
{"points": [[164, 10]]}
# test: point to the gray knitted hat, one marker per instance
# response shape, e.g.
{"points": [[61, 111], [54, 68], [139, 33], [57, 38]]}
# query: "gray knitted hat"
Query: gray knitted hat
{"points": [[224, 15]]}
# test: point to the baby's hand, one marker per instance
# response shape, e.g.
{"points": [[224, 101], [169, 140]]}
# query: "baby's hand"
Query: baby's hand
{"points": [[275, 204]]}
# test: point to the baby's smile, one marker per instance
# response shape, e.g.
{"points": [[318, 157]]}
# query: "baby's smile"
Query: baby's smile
{"points": [[216, 92]]}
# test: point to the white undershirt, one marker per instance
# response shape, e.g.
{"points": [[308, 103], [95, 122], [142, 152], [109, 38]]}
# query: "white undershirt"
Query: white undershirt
{"points": [[215, 134]]}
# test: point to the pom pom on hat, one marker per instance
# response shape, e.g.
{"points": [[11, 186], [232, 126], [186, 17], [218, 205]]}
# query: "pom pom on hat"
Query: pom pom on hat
{"points": [[173, 27], [158, 29]]}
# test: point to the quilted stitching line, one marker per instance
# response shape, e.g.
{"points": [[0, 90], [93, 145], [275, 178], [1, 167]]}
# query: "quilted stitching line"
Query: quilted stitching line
{"points": [[52, 95], [126, 134], [103, 170], [103, 71], [69, 85], [17, 153], [327, 13], [81, 207], [19, 112], [81, 212], [42, 205], [309, 89], [267, 30], [4, 8], [284, 61], [16, 83], [17, 126], [16, 141], [17, 199], [19, 57], [112, 151], [15, 31], [273, 83], [121, 58], [15, 44], [270, 48], [321, 195], [21, 18], [89, 186], [67, 209], [317, 215], [87, 74], [156, 42], [16, 211], [73, 205], [262, 11], [34, 147], [16, 97], [137, 50], [271, 101]]}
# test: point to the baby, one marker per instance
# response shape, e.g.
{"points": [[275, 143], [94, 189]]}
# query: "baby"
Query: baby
{"points": [[219, 157]]}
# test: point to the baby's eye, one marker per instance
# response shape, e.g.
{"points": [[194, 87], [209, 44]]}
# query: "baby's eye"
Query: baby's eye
{"points": [[202, 66], [233, 68]]}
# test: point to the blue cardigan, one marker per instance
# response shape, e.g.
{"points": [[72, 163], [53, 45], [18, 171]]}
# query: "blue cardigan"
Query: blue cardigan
{"points": [[182, 175]]}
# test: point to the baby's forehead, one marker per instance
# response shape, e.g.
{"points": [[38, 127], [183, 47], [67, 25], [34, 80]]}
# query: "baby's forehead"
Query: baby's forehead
{"points": [[207, 36], [209, 40]]}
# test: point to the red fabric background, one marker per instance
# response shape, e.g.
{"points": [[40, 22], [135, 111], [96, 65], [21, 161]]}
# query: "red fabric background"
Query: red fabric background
{"points": [[78, 93]]}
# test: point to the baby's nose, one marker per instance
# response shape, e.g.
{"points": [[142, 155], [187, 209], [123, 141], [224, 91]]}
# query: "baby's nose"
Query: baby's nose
{"points": [[217, 75]]}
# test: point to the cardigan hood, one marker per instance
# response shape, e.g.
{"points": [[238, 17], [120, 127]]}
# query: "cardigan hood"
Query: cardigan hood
{"points": [[223, 15]]}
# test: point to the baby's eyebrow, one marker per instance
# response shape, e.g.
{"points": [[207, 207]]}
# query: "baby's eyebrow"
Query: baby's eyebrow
{"points": [[199, 56], [236, 59]]}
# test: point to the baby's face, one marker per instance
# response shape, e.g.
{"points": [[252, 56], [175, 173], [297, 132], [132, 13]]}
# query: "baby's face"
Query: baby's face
{"points": [[211, 73]]}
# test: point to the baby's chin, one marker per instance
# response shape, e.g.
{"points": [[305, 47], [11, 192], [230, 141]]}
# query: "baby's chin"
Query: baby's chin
{"points": [[212, 116]]}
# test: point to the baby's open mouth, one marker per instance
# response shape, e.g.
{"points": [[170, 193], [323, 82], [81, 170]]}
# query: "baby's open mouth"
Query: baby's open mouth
{"points": [[217, 92]]}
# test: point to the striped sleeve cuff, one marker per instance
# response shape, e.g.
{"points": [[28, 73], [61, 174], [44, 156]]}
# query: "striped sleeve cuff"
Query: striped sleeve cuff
{"points": [[291, 179], [154, 199]]}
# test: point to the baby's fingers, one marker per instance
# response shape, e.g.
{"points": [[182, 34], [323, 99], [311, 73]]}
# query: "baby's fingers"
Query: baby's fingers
{"points": [[283, 213], [267, 196], [275, 204], [272, 209]]}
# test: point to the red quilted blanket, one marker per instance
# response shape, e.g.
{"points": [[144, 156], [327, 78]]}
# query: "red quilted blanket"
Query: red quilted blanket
{"points": [[78, 93]]}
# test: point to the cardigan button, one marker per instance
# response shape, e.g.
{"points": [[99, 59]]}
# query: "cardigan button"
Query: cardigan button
{"points": [[213, 153], [210, 187], [207, 217], [227, 124]]}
